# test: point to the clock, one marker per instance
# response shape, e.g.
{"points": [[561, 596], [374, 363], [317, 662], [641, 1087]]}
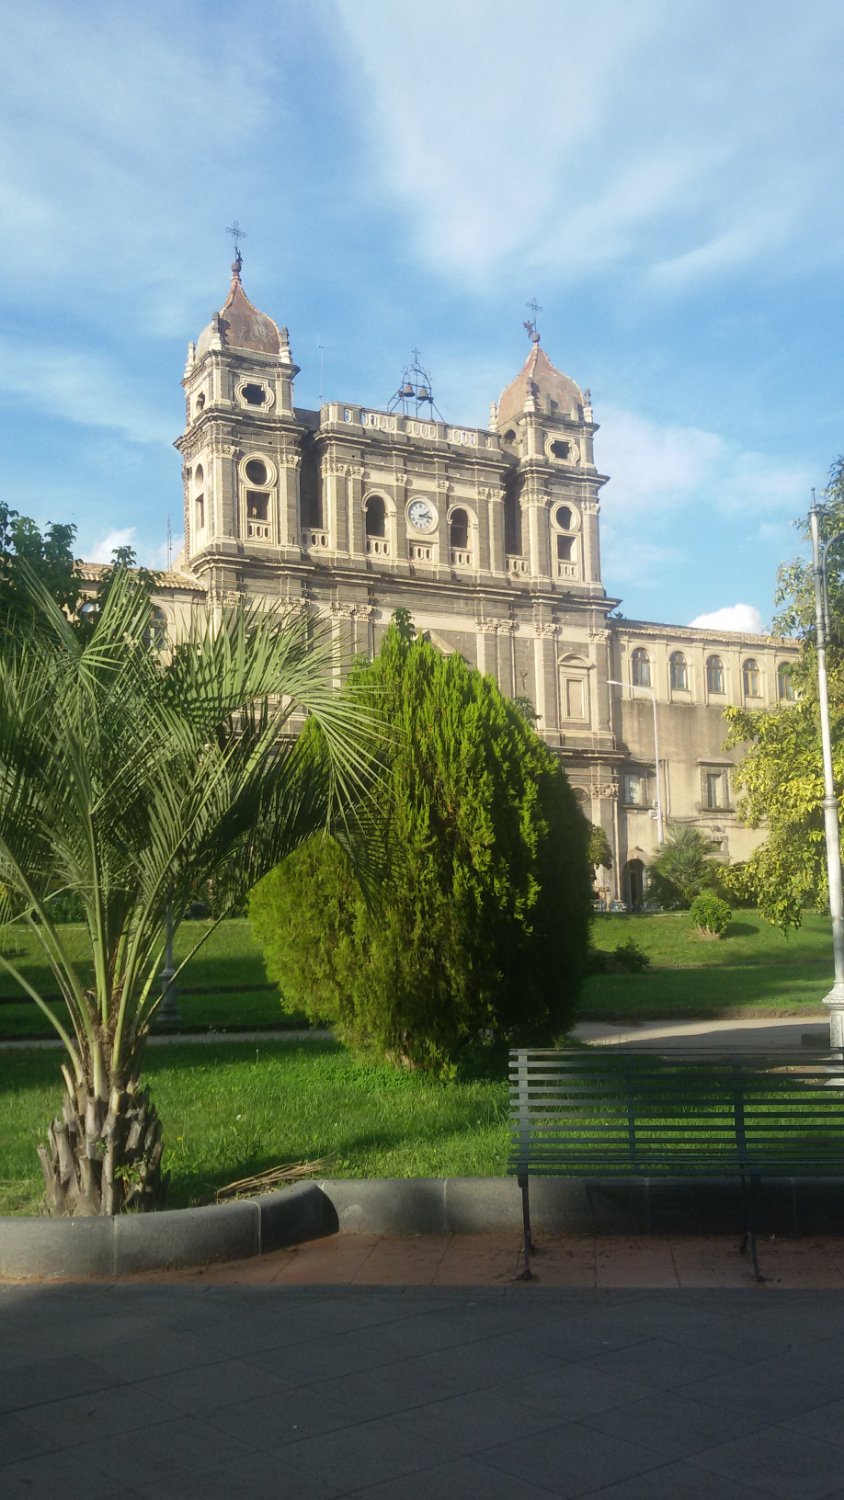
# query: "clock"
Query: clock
{"points": [[421, 515]]}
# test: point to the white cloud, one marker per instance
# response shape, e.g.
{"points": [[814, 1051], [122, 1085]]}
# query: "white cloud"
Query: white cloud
{"points": [[656, 466], [744, 618], [80, 386], [117, 125], [102, 550], [651, 464], [684, 141]]}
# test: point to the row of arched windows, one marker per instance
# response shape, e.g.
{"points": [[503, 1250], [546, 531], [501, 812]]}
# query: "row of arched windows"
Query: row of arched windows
{"points": [[375, 526], [678, 675]]}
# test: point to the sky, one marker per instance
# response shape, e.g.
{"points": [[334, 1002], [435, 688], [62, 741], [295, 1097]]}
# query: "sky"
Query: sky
{"points": [[664, 178]]}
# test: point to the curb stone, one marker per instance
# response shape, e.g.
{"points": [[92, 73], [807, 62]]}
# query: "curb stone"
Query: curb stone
{"points": [[45, 1249]]}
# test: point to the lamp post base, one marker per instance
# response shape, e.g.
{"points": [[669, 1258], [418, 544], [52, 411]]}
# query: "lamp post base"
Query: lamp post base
{"points": [[834, 1003]]}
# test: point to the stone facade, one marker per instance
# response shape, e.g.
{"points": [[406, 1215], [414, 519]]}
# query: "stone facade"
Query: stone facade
{"points": [[490, 538]]}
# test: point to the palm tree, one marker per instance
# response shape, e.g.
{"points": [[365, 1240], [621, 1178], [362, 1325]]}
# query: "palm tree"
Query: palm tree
{"points": [[127, 780], [682, 868]]}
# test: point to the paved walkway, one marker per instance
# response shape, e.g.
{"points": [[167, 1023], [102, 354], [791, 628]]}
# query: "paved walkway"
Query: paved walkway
{"points": [[493, 1260], [516, 1393], [742, 1034]]}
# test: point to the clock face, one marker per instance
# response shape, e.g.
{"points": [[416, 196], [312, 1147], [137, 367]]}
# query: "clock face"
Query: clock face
{"points": [[421, 515]]}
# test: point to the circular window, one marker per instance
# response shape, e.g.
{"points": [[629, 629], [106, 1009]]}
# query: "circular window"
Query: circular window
{"points": [[509, 436], [256, 471], [564, 518]]}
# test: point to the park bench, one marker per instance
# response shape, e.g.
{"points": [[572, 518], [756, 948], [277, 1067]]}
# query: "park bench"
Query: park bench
{"points": [[615, 1112]]}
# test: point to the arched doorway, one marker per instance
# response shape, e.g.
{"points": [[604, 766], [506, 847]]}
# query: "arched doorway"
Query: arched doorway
{"points": [[634, 884]]}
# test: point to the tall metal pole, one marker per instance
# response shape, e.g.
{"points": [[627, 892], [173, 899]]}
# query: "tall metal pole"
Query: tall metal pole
{"points": [[168, 1011], [835, 999]]}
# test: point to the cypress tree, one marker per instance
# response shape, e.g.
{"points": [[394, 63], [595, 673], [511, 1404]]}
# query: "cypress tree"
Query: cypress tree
{"points": [[476, 933]]}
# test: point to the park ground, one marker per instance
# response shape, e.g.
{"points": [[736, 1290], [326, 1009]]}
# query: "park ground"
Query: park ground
{"points": [[234, 1108]]}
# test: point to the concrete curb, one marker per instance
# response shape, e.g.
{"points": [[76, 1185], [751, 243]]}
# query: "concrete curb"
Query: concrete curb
{"points": [[45, 1249]]}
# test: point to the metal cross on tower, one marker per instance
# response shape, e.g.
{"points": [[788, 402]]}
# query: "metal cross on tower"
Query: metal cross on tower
{"points": [[530, 324], [237, 235]]}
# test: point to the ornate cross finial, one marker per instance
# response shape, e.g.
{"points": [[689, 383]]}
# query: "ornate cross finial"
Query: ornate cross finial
{"points": [[237, 235], [530, 325]]}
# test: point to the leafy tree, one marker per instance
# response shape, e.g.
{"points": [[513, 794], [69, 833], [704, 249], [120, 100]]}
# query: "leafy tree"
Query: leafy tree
{"points": [[480, 933], [125, 781], [600, 853], [682, 868], [780, 778], [24, 548]]}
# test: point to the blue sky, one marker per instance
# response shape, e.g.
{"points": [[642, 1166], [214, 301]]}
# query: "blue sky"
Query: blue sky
{"points": [[665, 178]]}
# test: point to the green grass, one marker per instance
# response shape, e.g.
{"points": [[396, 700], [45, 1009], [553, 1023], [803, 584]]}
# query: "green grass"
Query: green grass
{"points": [[233, 1109], [754, 971], [230, 959]]}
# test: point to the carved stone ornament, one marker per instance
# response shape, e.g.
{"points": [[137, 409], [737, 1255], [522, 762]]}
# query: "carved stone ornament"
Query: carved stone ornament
{"points": [[608, 791], [545, 631], [496, 627], [597, 634], [443, 484], [342, 610], [290, 460]]}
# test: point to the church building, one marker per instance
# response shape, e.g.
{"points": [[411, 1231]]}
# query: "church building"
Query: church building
{"points": [[490, 538]]}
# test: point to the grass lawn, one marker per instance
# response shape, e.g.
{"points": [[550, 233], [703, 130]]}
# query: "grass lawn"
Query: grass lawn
{"points": [[754, 971], [230, 960], [231, 1109]]}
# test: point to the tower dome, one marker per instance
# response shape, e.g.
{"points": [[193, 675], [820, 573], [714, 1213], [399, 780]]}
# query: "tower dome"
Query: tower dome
{"points": [[538, 380], [239, 325]]}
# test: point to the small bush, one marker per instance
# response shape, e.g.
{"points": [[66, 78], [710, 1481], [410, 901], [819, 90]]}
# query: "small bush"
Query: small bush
{"points": [[628, 958], [710, 915]]}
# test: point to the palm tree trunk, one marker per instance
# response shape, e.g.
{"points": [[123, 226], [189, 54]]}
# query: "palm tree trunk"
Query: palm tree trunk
{"points": [[104, 1156]]}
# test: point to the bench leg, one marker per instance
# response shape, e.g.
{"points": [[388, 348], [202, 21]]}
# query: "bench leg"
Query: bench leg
{"points": [[749, 1234], [526, 1274]]}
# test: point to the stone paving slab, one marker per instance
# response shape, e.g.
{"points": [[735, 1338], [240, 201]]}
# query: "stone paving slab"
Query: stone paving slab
{"points": [[586, 1261], [317, 1392]]}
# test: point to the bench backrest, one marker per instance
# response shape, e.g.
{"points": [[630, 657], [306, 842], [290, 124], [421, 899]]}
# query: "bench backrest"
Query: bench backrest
{"points": [[616, 1110]]}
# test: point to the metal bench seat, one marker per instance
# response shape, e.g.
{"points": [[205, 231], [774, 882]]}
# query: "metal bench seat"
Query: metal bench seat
{"points": [[615, 1112]]}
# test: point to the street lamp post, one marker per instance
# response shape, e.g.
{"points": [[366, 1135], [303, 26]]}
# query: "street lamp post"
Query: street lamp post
{"points": [[168, 1013], [613, 682], [834, 1001]]}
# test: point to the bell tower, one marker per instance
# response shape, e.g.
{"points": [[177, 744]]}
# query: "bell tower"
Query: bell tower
{"points": [[545, 426], [241, 443]]}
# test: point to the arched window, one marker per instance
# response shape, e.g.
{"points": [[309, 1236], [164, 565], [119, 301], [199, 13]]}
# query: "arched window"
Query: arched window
{"points": [[714, 674], [640, 668], [785, 681], [376, 517], [565, 548], [678, 672], [259, 525], [459, 531], [512, 517], [199, 497], [750, 678], [155, 635]]}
